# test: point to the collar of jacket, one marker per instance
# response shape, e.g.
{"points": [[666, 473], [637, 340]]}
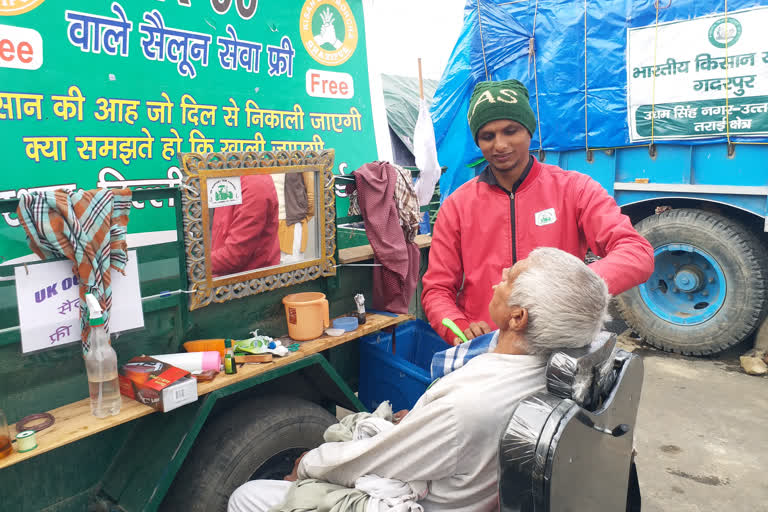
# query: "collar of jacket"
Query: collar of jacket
{"points": [[529, 174]]}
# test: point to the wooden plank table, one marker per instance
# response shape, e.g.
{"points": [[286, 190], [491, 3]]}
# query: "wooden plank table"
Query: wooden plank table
{"points": [[74, 421], [365, 252]]}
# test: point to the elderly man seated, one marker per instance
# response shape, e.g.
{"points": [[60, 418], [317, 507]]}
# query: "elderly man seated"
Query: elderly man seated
{"points": [[551, 300]]}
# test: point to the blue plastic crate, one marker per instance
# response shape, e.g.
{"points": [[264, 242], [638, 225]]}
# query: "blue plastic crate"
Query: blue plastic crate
{"points": [[401, 377]]}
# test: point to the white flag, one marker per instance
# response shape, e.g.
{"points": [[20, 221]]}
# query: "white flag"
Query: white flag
{"points": [[425, 151]]}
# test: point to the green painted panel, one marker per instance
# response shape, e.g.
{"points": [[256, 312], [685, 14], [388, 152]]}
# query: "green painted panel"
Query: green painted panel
{"points": [[345, 359], [60, 480], [351, 235], [79, 501], [146, 464]]}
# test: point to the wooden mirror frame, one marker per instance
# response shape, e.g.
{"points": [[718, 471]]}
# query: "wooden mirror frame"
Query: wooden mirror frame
{"points": [[199, 166]]}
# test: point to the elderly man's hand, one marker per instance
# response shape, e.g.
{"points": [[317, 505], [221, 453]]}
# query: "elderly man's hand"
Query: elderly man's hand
{"points": [[474, 330], [295, 473]]}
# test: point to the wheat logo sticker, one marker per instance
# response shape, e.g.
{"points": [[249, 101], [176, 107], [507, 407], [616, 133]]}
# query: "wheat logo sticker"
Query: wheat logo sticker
{"points": [[724, 32], [328, 30], [545, 217]]}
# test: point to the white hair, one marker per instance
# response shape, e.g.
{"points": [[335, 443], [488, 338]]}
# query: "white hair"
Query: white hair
{"points": [[567, 302]]}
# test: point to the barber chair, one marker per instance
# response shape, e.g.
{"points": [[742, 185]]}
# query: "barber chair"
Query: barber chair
{"points": [[569, 448]]}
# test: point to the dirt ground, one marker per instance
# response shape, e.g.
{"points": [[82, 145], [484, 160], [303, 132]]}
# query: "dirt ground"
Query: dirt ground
{"points": [[702, 433]]}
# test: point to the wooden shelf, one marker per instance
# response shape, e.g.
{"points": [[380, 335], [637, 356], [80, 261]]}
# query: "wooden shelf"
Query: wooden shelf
{"points": [[365, 252], [74, 421]]}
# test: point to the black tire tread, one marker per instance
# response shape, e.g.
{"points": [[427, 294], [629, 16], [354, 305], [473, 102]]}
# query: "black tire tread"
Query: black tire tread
{"points": [[206, 479], [743, 242]]}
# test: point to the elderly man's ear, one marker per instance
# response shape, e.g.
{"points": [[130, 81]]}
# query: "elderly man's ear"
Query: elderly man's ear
{"points": [[518, 319]]}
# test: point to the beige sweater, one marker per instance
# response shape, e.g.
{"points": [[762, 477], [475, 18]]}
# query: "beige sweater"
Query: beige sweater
{"points": [[450, 438]]}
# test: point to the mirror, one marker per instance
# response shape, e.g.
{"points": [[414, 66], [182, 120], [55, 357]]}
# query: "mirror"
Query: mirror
{"points": [[256, 221]]}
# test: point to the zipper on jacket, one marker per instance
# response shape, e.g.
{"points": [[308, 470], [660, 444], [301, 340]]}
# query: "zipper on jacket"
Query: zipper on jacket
{"points": [[487, 177], [512, 222]]}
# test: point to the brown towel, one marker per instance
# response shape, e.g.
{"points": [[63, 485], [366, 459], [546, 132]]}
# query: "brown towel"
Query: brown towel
{"points": [[296, 198], [395, 281]]}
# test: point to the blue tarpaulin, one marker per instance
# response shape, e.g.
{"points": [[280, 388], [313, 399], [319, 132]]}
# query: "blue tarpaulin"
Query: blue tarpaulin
{"points": [[495, 44]]}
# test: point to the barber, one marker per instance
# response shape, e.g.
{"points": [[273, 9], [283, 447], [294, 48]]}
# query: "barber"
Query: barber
{"points": [[515, 205]]}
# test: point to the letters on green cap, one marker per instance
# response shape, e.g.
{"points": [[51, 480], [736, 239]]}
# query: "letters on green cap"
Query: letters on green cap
{"points": [[506, 99]]}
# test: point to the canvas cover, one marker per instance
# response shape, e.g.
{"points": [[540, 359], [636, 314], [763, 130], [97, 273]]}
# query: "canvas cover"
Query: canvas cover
{"points": [[580, 44]]}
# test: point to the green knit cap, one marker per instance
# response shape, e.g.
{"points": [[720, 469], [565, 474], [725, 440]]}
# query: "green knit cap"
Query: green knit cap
{"points": [[506, 99]]}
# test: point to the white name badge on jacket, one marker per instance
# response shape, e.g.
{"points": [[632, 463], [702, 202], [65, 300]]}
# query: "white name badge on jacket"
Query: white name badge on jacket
{"points": [[545, 217]]}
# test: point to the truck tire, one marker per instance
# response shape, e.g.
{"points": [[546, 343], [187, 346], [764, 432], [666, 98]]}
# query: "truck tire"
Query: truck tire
{"points": [[257, 439], [708, 288]]}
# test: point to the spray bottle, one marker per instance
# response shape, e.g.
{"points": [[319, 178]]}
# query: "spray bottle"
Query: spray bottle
{"points": [[101, 365]]}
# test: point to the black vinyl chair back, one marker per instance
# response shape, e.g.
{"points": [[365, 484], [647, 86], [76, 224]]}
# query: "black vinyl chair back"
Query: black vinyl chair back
{"points": [[569, 449]]}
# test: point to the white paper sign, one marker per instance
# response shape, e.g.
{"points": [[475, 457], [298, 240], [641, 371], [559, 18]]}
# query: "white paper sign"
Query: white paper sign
{"points": [[680, 73], [224, 191], [49, 303]]}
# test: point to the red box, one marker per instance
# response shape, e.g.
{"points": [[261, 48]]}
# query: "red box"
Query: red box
{"points": [[157, 384]]}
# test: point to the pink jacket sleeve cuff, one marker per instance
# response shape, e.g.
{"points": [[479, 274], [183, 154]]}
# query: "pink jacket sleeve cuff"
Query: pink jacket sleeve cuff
{"points": [[448, 335]]}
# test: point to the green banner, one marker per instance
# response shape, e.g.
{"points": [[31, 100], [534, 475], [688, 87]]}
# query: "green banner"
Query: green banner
{"points": [[704, 118], [105, 94]]}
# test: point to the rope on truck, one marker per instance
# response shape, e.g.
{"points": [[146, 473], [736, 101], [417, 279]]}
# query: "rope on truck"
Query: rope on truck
{"points": [[482, 43], [532, 51], [586, 126], [653, 83], [727, 110]]}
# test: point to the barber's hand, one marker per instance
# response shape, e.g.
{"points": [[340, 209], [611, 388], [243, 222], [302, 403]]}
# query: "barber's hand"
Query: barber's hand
{"points": [[295, 473], [399, 415], [474, 330]]}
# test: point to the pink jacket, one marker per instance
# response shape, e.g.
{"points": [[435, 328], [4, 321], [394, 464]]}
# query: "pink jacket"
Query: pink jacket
{"points": [[244, 237], [481, 229]]}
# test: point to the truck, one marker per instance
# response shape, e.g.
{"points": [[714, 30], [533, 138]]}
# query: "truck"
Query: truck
{"points": [[115, 95], [665, 104]]}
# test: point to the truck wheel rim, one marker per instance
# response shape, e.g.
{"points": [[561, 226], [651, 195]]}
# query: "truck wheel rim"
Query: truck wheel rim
{"points": [[687, 286]]}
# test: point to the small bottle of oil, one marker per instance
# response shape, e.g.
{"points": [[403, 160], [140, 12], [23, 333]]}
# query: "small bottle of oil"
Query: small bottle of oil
{"points": [[230, 367]]}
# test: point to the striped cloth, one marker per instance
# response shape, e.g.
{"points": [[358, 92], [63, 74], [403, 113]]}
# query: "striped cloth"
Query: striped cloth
{"points": [[87, 227], [454, 358]]}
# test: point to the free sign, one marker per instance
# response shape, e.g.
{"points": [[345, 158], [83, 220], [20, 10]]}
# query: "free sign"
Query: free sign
{"points": [[329, 84], [20, 48]]}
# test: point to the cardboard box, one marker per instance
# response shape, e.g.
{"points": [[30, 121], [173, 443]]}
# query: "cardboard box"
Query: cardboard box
{"points": [[157, 384]]}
